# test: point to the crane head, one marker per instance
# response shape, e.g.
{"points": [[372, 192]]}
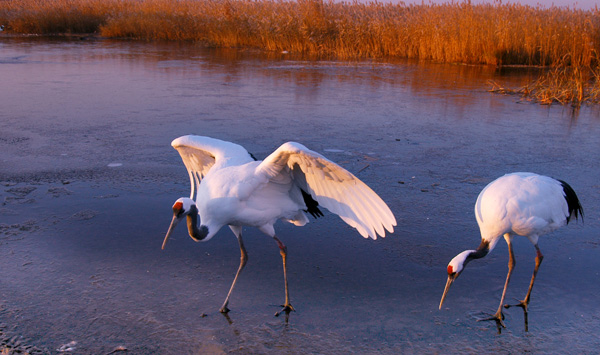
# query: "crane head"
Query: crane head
{"points": [[458, 263], [455, 267], [181, 208]]}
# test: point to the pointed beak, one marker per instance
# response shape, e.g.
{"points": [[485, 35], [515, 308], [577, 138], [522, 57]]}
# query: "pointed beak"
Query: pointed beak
{"points": [[174, 223], [448, 284]]}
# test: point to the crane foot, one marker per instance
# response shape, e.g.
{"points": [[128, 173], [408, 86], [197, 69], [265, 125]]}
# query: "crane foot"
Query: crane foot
{"points": [[522, 303], [499, 318], [286, 308]]}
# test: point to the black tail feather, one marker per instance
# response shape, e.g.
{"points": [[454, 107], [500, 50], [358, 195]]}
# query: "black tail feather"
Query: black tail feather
{"points": [[312, 206], [575, 208]]}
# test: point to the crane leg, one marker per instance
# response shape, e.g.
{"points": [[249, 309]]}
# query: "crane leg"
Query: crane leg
{"points": [[243, 260], [498, 316], [287, 307], [525, 302]]}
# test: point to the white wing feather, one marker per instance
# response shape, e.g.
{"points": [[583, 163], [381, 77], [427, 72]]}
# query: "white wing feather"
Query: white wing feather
{"points": [[332, 186], [200, 154]]}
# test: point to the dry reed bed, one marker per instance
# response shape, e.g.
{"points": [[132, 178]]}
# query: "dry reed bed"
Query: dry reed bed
{"points": [[452, 32], [498, 34]]}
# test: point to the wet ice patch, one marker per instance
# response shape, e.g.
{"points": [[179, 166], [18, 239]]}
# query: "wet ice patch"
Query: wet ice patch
{"points": [[10, 139], [12, 200], [18, 228], [107, 196], [58, 191], [15, 344], [67, 347], [332, 150], [84, 215], [21, 191], [114, 165], [119, 348]]}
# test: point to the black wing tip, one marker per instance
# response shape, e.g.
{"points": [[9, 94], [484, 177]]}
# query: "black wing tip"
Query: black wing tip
{"points": [[312, 206], [575, 208], [252, 156]]}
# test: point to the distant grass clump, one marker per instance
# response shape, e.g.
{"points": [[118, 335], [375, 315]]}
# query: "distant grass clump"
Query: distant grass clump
{"points": [[561, 83], [455, 32]]}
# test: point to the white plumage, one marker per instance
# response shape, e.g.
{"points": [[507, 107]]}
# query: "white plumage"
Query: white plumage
{"points": [[524, 204], [228, 187]]}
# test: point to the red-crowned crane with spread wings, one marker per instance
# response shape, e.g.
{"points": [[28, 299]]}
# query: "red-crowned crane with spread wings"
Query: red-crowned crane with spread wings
{"points": [[230, 188]]}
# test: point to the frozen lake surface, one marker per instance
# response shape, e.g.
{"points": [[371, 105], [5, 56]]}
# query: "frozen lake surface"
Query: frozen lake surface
{"points": [[88, 178]]}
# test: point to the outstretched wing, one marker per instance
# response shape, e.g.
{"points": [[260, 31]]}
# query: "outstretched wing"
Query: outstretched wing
{"points": [[199, 154], [332, 186]]}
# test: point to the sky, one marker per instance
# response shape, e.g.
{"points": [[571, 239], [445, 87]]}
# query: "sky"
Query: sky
{"points": [[579, 4]]}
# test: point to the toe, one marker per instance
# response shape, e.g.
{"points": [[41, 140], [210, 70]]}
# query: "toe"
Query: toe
{"points": [[286, 308]]}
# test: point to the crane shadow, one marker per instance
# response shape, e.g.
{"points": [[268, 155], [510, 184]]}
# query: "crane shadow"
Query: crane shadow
{"points": [[226, 315], [286, 314]]}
